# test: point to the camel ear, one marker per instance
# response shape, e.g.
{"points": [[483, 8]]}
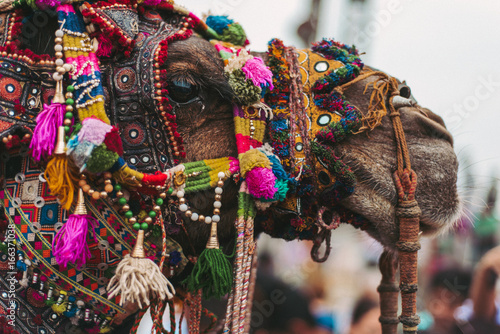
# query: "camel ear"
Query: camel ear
{"points": [[118, 25]]}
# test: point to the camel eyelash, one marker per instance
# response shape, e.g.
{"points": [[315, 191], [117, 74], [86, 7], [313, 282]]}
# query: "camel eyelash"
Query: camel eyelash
{"points": [[182, 92]]}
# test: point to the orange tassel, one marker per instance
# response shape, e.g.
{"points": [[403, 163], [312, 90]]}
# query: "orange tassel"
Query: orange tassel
{"points": [[60, 177]]}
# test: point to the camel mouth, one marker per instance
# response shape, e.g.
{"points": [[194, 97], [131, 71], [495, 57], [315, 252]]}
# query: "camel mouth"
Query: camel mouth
{"points": [[384, 227]]}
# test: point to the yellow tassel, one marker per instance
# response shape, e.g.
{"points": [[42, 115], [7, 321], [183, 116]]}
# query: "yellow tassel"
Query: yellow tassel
{"points": [[60, 309], [61, 306], [60, 177]]}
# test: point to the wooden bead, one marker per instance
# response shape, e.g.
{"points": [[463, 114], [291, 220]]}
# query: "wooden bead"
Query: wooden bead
{"points": [[86, 188], [126, 207], [81, 183], [218, 197], [216, 212], [107, 175], [108, 188], [104, 194], [96, 195]]}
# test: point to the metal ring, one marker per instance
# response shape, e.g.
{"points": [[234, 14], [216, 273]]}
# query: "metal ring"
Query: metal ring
{"points": [[58, 226], [103, 245], [16, 202], [36, 227], [102, 266], [39, 202], [81, 268], [20, 177], [41, 177], [102, 280]]}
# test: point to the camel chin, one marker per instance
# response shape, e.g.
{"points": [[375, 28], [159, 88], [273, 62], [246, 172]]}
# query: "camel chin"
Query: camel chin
{"points": [[372, 157]]}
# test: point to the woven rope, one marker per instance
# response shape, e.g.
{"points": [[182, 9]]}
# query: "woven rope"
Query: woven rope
{"points": [[405, 179], [408, 245], [389, 292]]}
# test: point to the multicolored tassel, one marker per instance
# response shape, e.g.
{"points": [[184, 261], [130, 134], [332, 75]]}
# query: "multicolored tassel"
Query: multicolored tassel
{"points": [[60, 178], [212, 271], [48, 121], [138, 279], [60, 306], [70, 243]]}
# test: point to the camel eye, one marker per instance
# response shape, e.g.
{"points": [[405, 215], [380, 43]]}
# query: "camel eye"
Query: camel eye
{"points": [[182, 92]]}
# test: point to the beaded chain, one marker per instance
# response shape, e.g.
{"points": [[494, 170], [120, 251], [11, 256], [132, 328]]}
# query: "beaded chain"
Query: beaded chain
{"points": [[79, 52], [163, 104]]}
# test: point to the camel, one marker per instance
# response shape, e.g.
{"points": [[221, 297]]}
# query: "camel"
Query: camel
{"points": [[203, 102]]}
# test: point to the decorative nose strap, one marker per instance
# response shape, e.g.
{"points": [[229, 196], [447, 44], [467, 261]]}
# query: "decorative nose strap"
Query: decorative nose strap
{"points": [[408, 214]]}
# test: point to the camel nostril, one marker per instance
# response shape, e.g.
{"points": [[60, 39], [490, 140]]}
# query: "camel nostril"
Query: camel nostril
{"points": [[436, 129], [404, 91]]}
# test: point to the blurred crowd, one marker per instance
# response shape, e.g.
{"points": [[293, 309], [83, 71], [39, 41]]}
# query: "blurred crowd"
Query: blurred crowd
{"points": [[457, 290]]}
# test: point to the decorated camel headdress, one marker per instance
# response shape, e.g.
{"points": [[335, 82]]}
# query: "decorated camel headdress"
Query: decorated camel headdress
{"points": [[107, 140]]}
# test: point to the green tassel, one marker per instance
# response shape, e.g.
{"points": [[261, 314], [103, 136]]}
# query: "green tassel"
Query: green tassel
{"points": [[212, 273]]}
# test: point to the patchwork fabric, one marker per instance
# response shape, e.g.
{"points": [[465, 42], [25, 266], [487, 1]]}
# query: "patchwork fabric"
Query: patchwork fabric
{"points": [[130, 81], [21, 96]]}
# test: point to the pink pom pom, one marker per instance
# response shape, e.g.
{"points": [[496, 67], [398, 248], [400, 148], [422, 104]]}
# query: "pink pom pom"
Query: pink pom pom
{"points": [[152, 2], [37, 296], [93, 130], [70, 243], [260, 74], [261, 183]]}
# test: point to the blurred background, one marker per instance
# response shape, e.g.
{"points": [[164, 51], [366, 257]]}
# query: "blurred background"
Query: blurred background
{"points": [[448, 52]]}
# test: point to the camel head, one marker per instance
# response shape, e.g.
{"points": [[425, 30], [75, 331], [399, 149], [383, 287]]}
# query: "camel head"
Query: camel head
{"points": [[368, 199], [153, 98]]}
